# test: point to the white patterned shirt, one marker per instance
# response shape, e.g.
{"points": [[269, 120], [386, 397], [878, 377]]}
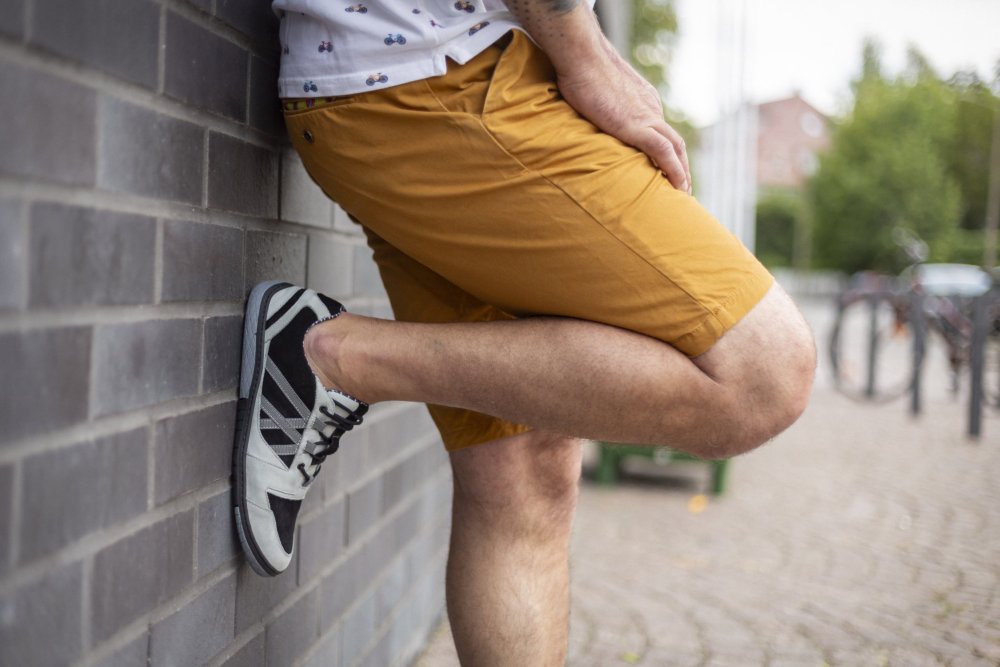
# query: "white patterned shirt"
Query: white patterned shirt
{"points": [[335, 47]]}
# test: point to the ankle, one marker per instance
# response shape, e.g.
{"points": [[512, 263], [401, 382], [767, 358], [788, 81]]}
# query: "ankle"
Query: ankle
{"points": [[324, 347]]}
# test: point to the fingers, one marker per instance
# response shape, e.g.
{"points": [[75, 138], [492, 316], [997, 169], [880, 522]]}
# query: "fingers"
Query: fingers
{"points": [[670, 156]]}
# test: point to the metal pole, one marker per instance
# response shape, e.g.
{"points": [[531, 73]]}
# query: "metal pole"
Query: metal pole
{"points": [[873, 300], [977, 360], [919, 347]]}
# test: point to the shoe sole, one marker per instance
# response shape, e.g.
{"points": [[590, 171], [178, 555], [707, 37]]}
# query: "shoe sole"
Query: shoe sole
{"points": [[254, 324]]}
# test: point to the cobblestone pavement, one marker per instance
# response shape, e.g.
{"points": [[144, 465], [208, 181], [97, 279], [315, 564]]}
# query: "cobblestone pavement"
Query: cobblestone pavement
{"points": [[861, 537]]}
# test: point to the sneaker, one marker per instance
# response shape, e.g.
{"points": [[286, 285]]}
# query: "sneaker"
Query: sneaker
{"points": [[287, 423]]}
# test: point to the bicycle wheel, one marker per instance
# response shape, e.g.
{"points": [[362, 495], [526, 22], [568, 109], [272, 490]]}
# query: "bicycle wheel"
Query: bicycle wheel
{"points": [[872, 349]]}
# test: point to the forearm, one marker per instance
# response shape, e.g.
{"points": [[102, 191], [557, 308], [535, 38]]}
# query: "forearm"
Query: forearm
{"points": [[567, 30]]}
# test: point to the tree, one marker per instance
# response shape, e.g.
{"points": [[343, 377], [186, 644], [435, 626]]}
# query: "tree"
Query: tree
{"points": [[888, 167]]}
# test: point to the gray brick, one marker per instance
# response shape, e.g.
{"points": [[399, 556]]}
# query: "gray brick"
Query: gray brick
{"points": [[143, 363], [301, 199], [193, 450], [222, 353], [321, 540], [273, 256], [131, 655], [120, 37], [6, 514], [203, 5], [331, 266], [201, 262], [250, 655], [146, 153], [289, 635], [327, 652], [358, 631], [242, 177], [256, 19], [265, 107], [48, 127], [401, 480], [351, 462], [257, 595], [104, 257], [198, 631], [367, 281], [217, 540], [342, 222], [77, 490], [205, 69], [393, 588], [364, 506], [40, 622], [139, 572], [12, 18], [341, 588], [13, 255], [50, 369]]}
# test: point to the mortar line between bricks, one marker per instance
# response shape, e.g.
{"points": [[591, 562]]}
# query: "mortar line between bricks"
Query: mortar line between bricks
{"points": [[111, 425], [14, 548], [146, 621], [161, 55], [93, 543], [205, 167], [111, 315], [158, 262], [86, 581], [106, 84]]}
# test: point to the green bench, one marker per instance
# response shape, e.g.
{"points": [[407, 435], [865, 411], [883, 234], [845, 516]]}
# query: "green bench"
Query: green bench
{"points": [[611, 455]]}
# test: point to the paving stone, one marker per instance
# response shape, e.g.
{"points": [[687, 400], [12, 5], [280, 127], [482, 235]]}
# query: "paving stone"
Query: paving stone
{"points": [[33, 614], [193, 450], [242, 177], [205, 69], [74, 491], [201, 262], [273, 256], [291, 633], [222, 353], [149, 154], [48, 129], [198, 631], [135, 574], [51, 369], [218, 543], [143, 363], [13, 255], [120, 37], [321, 540], [252, 654], [12, 18], [132, 654], [105, 257]]}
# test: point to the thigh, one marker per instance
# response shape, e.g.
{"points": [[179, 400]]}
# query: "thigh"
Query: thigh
{"points": [[491, 180]]}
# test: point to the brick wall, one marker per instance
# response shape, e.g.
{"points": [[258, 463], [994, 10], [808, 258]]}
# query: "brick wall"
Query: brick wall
{"points": [[145, 186]]}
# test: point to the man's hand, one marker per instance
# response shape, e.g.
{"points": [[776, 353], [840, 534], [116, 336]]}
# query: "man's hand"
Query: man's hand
{"points": [[597, 82]]}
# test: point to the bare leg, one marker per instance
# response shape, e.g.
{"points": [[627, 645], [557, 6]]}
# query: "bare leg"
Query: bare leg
{"points": [[588, 379], [508, 566]]}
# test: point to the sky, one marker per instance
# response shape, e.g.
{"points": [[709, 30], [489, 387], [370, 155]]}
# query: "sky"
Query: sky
{"points": [[814, 46]]}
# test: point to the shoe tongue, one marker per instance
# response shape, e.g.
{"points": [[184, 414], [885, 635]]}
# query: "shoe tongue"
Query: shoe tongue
{"points": [[339, 402]]}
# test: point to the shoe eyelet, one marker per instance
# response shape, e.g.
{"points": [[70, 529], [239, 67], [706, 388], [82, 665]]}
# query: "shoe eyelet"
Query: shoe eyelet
{"points": [[308, 136]]}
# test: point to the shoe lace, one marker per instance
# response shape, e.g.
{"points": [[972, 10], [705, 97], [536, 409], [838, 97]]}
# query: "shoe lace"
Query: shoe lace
{"points": [[327, 444]]}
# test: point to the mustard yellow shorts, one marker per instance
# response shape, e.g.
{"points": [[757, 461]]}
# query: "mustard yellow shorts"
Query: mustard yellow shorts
{"points": [[485, 196]]}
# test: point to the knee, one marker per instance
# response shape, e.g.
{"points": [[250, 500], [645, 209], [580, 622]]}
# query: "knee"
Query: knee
{"points": [[529, 482]]}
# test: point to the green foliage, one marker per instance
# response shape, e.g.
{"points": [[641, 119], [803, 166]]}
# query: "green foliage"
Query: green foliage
{"points": [[913, 153], [779, 215], [654, 29]]}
